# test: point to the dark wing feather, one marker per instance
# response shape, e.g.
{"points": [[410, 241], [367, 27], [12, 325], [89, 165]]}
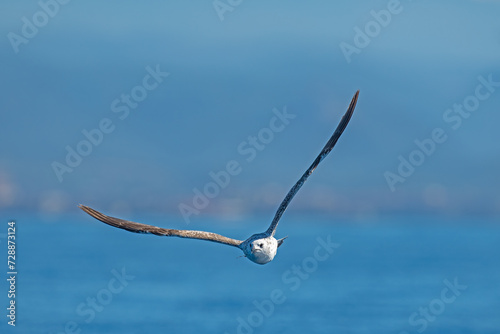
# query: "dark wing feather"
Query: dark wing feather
{"points": [[328, 147], [143, 228]]}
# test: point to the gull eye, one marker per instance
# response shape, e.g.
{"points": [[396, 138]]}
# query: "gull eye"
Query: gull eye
{"points": [[261, 245]]}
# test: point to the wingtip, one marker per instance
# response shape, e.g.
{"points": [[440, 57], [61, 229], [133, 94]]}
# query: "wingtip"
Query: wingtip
{"points": [[355, 97], [85, 208], [353, 103]]}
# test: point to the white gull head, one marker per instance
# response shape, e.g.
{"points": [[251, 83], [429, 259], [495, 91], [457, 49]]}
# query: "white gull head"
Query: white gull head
{"points": [[261, 248]]}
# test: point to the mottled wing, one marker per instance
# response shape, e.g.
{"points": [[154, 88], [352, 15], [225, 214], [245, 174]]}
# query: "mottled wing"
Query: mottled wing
{"points": [[143, 228], [328, 147]]}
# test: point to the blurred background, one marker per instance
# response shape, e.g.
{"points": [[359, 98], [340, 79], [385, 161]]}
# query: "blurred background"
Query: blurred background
{"points": [[138, 109]]}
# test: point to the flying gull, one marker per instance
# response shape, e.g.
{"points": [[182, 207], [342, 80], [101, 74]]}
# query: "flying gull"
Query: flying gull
{"points": [[259, 248]]}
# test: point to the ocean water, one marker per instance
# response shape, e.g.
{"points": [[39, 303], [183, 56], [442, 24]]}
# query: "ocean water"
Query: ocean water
{"points": [[402, 274]]}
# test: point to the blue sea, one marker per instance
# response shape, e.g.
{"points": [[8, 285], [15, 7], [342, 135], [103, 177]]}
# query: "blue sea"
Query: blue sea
{"points": [[398, 274]]}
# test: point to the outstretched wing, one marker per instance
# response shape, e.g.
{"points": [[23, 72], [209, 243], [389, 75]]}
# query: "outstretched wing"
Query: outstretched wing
{"points": [[143, 228], [328, 147]]}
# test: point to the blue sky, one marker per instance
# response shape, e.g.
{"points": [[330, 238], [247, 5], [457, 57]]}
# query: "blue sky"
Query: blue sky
{"points": [[225, 79]]}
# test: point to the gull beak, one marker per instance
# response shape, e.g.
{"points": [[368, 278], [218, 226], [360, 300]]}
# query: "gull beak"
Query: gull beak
{"points": [[280, 241]]}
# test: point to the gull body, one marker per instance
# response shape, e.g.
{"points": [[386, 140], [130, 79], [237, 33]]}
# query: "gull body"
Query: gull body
{"points": [[260, 248]]}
